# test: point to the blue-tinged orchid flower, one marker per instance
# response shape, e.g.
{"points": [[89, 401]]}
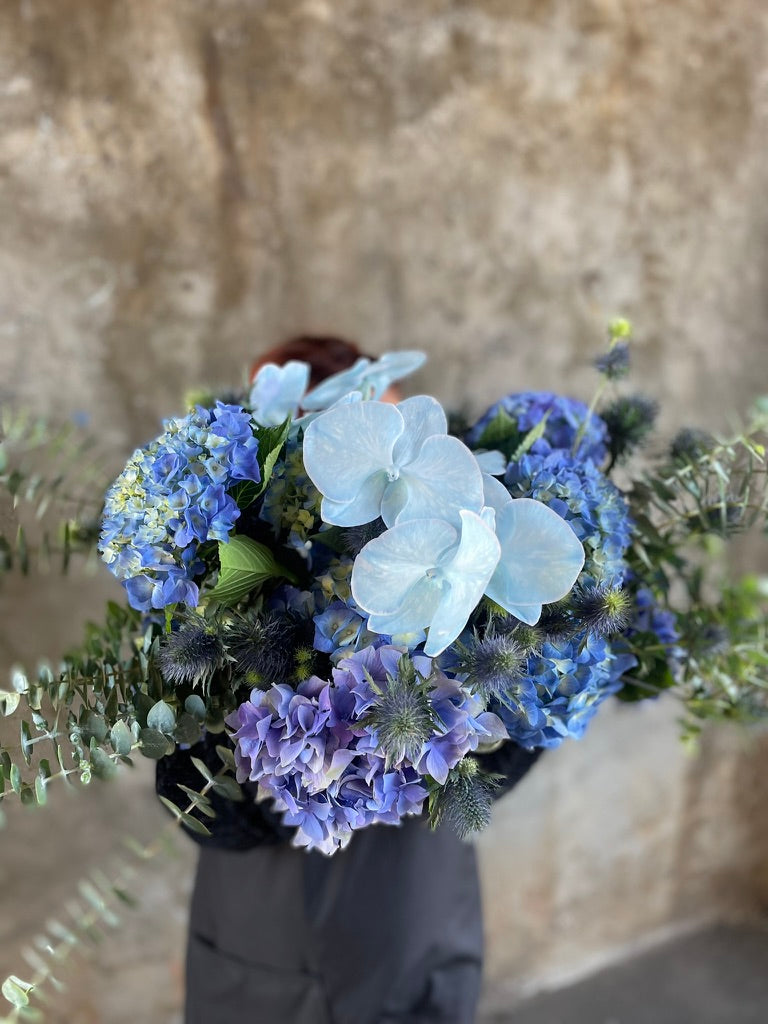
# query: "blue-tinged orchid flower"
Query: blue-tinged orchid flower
{"points": [[277, 392], [541, 558], [424, 573], [492, 462], [370, 378], [371, 459]]}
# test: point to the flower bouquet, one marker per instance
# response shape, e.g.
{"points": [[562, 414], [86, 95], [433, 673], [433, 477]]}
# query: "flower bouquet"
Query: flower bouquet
{"points": [[356, 601]]}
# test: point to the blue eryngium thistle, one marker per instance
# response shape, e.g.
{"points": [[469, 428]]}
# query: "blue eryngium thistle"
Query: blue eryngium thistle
{"points": [[690, 444], [614, 364], [263, 648], [464, 802], [493, 664], [629, 420], [192, 653], [402, 714], [601, 609]]}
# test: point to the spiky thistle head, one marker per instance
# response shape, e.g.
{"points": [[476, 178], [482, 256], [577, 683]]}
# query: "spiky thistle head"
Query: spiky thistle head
{"points": [[690, 444], [493, 664], [464, 802], [614, 364], [629, 420], [402, 715], [193, 652], [263, 648], [601, 609]]}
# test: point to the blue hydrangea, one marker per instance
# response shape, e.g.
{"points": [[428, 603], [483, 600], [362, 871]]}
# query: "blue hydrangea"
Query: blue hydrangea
{"points": [[649, 617], [578, 491], [173, 495], [565, 417], [562, 689]]}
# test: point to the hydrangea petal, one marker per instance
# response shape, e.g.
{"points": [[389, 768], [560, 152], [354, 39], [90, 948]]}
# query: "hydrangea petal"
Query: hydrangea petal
{"points": [[347, 445], [541, 558], [441, 481]]}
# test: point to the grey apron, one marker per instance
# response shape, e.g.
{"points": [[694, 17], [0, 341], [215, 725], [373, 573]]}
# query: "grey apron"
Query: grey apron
{"points": [[389, 931]]}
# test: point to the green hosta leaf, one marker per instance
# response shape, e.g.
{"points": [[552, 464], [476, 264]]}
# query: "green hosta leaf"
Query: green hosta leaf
{"points": [[121, 738], [245, 565], [154, 744], [162, 718]]}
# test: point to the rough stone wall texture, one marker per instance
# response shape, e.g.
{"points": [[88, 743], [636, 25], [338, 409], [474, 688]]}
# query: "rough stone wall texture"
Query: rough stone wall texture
{"points": [[182, 183]]}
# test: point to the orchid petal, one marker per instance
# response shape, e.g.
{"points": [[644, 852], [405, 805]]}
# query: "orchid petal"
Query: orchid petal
{"points": [[423, 417], [364, 508], [541, 558], [441, 481], [277, 391], [494, 462], [466, 577], [390, 565], [347, 445], [393, 366], [336, 386], [414, 614]]}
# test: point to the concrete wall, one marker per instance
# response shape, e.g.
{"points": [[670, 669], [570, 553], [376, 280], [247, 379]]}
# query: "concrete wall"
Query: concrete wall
{"points": [[183, 182]]}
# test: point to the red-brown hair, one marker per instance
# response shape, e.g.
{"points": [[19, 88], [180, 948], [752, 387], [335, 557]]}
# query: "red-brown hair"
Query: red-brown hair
{"points": [[326, 355]]}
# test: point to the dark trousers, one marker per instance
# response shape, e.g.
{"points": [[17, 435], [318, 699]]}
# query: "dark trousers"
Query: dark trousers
{"points": [[387, 932]]}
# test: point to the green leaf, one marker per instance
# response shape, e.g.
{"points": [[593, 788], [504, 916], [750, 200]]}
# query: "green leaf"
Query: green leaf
{"points": [[16, 991], [194, 825], [121, 738], [271, 441], [9, 701], [245, 565], [202, 803], [203, 768], [102, 764], [15, 779], [530, 438], [228, 787], [187, 729], [501, 430], [40, 791], [26, 741], [226, 756], [154, 744], [195, 706], [161, 717]]}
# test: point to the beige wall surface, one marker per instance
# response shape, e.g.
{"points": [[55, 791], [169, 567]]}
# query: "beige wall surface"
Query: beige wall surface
{"points": [[184, 182]]}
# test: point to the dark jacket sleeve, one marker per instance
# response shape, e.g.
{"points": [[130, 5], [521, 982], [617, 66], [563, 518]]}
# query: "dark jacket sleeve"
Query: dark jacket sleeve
{"points": [[238, 825], [510, 761]]}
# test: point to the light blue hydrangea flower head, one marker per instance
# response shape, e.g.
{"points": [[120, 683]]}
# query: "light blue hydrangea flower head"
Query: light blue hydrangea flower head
{"points": [[277, 391], [371, 459], [370, 377]]}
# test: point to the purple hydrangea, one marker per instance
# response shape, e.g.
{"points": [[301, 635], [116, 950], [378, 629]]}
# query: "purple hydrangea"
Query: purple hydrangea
{"points": [[311, 751]]}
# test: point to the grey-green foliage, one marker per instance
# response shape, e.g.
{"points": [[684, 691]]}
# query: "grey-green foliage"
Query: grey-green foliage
{"points": [[685, 509], [101, 895], [52, 482]]}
